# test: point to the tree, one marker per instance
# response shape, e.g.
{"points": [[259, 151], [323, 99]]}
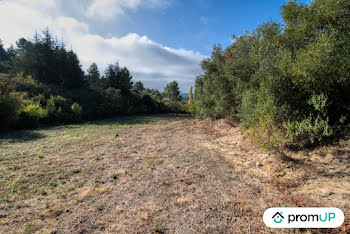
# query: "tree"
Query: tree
{"points": [[125, 81], [172, 91], [93, 74], [138, 86], [74, 76], [119, 78], [3, 58], [3, 54], [275, 79], [190, 96]]}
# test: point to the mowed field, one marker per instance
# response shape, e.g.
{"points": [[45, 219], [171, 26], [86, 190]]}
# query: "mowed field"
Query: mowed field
{"points": [[165, 174]]}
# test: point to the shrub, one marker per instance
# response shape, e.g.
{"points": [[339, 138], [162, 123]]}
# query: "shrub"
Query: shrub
{"points": [[34, 111], [191, 108], [9, 110], [310, 129], [265, 133], [77, 109], [43, 192], [32, 114]]}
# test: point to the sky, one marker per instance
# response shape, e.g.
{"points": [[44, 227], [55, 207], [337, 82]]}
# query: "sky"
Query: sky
{"points": [[157, 40]]}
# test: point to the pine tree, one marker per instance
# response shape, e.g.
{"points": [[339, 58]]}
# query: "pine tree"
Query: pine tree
{"points": [[138, 86], [119, 78], [93, 73]]}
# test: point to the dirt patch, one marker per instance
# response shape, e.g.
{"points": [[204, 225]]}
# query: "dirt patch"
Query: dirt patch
{"points": [[158, 174]]}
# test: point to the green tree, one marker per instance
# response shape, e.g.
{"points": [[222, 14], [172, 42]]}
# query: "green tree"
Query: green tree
{"points": [[93, 74], [138, 86], [172, 91], [119, 78], [275, 78]]}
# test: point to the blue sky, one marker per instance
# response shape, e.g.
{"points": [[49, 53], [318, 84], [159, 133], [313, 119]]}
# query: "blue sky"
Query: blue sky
{"points": [[198, 24], [158, 40]]}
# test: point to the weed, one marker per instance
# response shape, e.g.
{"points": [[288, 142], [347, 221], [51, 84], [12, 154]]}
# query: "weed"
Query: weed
{"points": [[53, 184], [16, 167], [40, 156], [76, 170], [31, 227], [116, 134], [141, 193], [99, 206], [62, 177], [57, 212], [156, 226], [161, 179], [43, 192], [114, 175], [97, 181]]}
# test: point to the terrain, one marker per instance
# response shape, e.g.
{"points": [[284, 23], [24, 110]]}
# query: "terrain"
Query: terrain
{"points": [[162, 173]]}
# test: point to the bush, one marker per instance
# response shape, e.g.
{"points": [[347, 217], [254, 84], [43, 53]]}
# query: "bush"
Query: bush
{"points": [[191, 108], [77, 111], [176, 106], [31, 115], [34, 111], [308, 129], [59, 110], [9, 110]]}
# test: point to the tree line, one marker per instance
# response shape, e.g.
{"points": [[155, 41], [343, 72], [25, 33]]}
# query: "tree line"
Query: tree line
{"points": [[41, 82], [283, 82]]}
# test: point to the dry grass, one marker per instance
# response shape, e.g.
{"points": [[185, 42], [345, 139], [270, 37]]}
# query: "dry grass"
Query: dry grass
{"points": [[160, 174]]}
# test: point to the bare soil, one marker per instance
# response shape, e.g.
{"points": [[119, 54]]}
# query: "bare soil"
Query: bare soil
{"points": [[165, 174]]}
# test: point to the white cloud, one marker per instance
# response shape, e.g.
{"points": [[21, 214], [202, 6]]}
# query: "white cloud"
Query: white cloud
{"points": [[42, 5], [18, 20], [108, 9], [148, 61]]}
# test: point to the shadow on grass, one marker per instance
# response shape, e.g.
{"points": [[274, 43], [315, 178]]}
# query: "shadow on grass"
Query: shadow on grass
{"points": [[31, 135], [21, 136]]}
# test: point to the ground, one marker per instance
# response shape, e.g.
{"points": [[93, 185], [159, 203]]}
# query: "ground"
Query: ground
{"points": [[165, 173]]}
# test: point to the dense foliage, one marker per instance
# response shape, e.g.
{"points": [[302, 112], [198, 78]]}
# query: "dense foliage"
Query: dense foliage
{"points": [[284, 82], [41, 82]]}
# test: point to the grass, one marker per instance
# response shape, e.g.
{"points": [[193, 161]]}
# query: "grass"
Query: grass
{"points": [[161, 171]]}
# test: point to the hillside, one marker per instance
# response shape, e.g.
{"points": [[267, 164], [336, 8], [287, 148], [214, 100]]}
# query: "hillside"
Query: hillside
{"points": [[162, 173]]}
